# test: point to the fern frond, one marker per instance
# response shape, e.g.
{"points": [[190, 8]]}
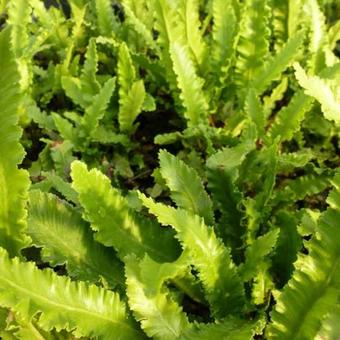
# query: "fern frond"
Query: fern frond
{"points": [[255, 110], [89, 84], [131, 92], [19, 18], [253, 44], [186, 187], [115, 224], [228, 329], [222, 172], [224, 34], [139, 26], [325, 91], [160, 316], [189, 13], [106, 21], [289, 118], [217, 271], [75, 306], [273, 68], [73, 90], [190, 85], [256, 254], [65, 238], [94, 113], [14, 182], [310, 294], [299, 188]]}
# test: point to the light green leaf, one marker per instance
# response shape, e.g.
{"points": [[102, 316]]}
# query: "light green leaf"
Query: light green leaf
{"points": [[326, 92], [95, 112], [192, 95], [65, 238], [224, 289], [273, 68], [311, 293], [14, 182], [115, 224], [186, 187], [160, 316], [62, 304]]}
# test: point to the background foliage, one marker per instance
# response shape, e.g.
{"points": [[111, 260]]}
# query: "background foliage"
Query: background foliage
{"points": [[169, 169]]}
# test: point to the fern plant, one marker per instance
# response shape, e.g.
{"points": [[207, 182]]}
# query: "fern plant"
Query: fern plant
{"points": [[169, 169]]}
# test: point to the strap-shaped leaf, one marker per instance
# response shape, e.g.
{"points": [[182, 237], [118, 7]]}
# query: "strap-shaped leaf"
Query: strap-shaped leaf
{"points": [[160, 316], [255, 111], [106, 20], [115, 224], [224, 34], [139, 26], [217, 271], [228, 329], [186, 187], [14, 183], [192, 95], [131, 92], [255, 254], [75, 306], [289, 118], [89, 84], [223, 172], [189, 13], [95, 112], [315, 285], [65, 238], [325, 91], [272, 69], [253, 44]]}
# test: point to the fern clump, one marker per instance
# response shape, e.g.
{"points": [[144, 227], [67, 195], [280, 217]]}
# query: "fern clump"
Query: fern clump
{"points": [[169, 169]]}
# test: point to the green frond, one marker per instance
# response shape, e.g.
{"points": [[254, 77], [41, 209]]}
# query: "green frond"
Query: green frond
{"points": [[160, 316], [277, 94], [65, 128], [131, 105], [224, 35], [288, 119], [186, 188], [19, 17], [256, 254], [279, 22], [189, 14], [73, 90], [224, 289], [14, 182], [255, 111], [253, 44], [290, 161], [65, 238], [89, 84], [62, 304], [131, 91], [190, 85], [334, 35], [272, 69], [139, 26], [325, 91], [222, 172], [115, 224], [317, 36], [228, 329], [300, 187], [311, 293], [100, 102], [107, 23]]}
